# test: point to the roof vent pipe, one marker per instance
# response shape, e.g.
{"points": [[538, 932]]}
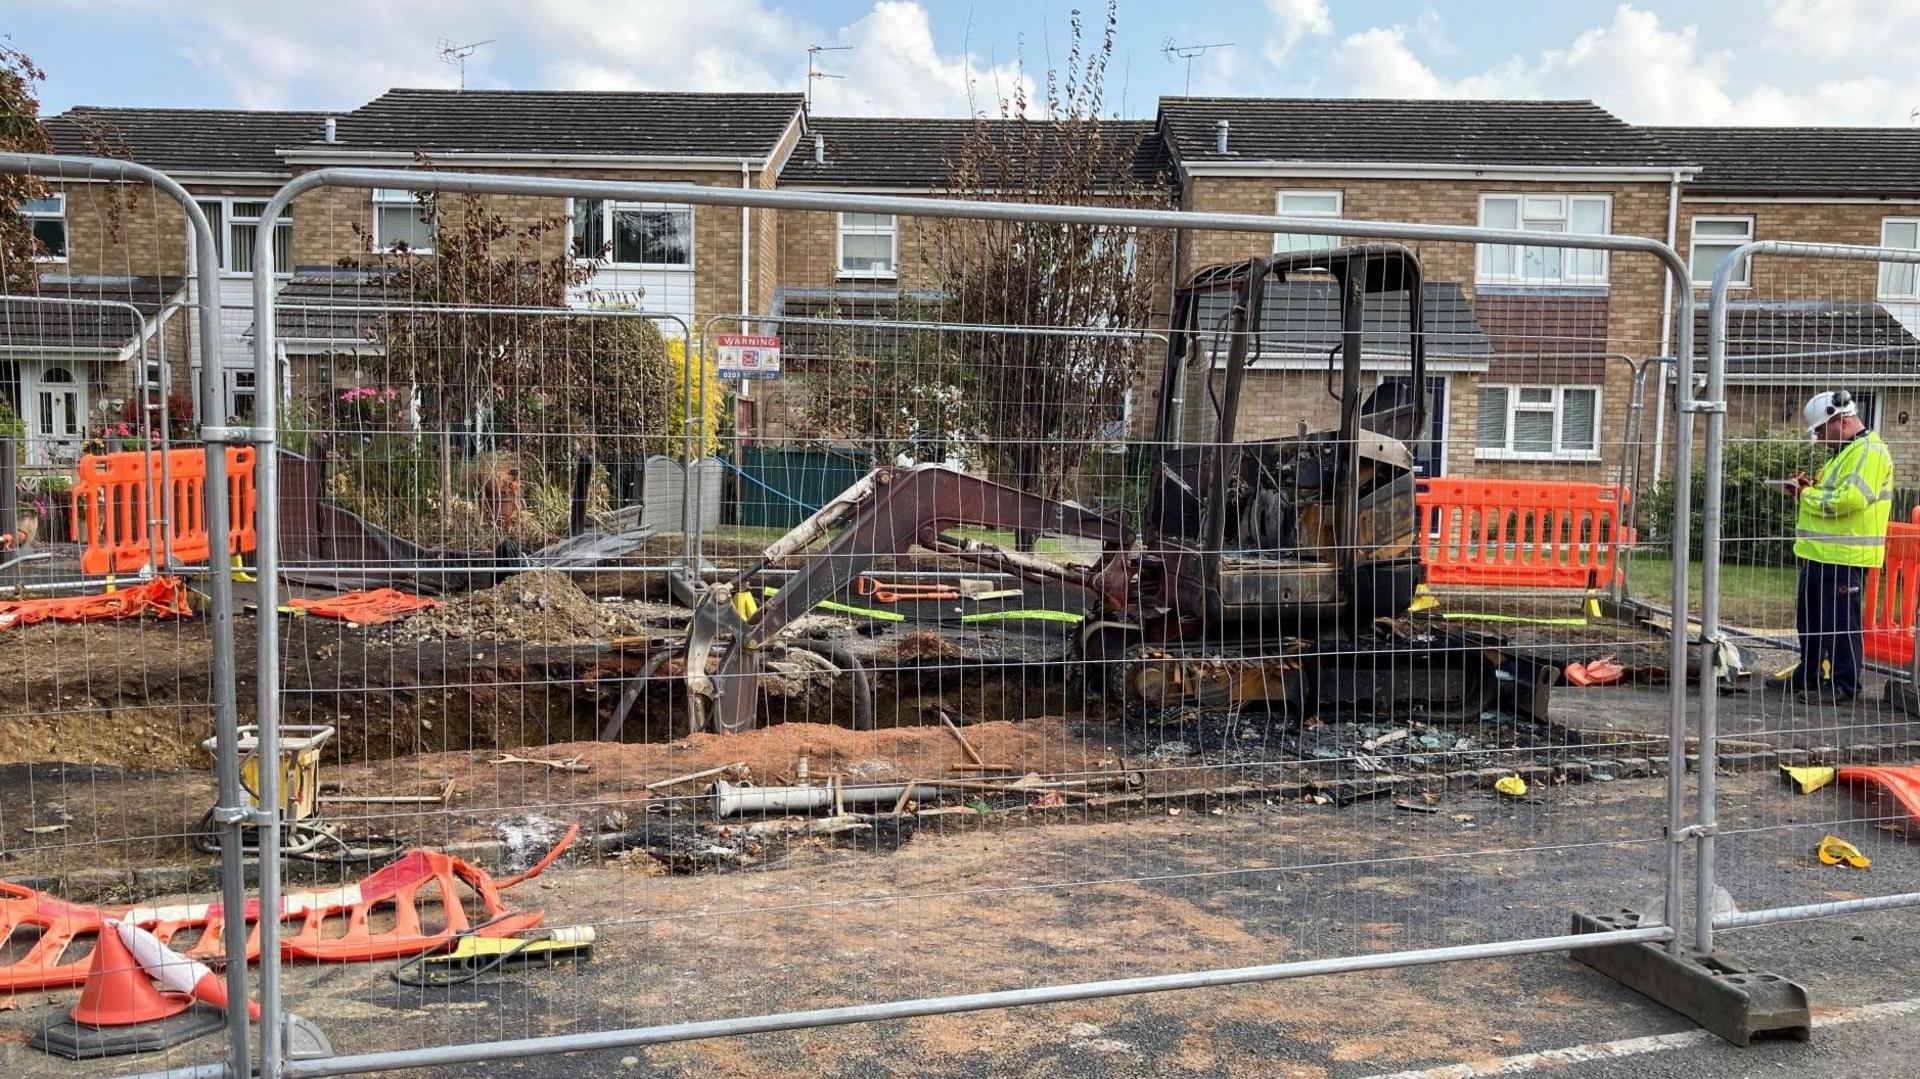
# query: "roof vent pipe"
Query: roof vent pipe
{"points": [[333, 129], [819, 148], [1219, 136]]}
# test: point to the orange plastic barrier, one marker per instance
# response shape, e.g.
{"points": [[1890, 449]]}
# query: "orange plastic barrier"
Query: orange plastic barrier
{"points": [[162, 597], [373, 608], [1893, 594], [114, 503], [421, 889], [1520, 533]]}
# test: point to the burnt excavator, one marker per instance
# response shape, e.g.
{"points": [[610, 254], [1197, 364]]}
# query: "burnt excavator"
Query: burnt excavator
{"points": [[1274, 572]]}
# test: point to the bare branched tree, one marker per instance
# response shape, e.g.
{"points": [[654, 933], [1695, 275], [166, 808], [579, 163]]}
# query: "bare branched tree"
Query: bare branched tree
{"points": [[20, 132]]}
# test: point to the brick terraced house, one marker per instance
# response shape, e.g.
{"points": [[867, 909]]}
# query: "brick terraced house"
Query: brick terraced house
{"points": [[1530, 346]]}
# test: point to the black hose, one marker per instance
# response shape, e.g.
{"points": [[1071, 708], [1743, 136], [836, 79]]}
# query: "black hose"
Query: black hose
{"points": [[862, 685]]}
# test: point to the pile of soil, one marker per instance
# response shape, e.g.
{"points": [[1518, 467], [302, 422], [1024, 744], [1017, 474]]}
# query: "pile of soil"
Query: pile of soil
{"points": [[541, 605]]}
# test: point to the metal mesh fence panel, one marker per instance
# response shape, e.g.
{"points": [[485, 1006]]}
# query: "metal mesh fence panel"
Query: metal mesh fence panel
{"points": [[1811, 351], [119, 661], [970, 606]]}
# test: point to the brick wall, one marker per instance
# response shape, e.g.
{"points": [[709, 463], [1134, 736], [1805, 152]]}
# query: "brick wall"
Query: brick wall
{"points": [[1774, 276]]}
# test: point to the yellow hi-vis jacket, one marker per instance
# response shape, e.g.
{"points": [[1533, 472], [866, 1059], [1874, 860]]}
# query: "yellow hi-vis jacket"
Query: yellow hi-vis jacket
{"points": [[1843, 515]]}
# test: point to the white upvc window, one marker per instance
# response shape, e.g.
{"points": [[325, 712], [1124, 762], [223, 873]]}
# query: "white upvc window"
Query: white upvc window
{"points": [[47, 219], [1900, 280], [1305, 204], [868, 246], [1713, 239], [399, 220], [1538, 423], [236, 226], [648, 235], [1504, 264]]}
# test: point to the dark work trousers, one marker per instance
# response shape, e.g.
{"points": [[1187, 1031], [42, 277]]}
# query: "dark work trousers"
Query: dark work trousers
{"points": [[1826, 614]]}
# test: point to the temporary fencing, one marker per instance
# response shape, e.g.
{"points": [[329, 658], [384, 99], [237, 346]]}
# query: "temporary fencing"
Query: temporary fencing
{"points": [[1089, 655], [447, 450], [1810, 318], [94, 350]]}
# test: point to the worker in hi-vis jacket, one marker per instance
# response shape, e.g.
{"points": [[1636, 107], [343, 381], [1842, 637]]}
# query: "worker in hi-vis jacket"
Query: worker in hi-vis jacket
{"points": [[1841, 533]]}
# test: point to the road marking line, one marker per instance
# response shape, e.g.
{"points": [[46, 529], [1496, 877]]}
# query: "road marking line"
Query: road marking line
{"points": [[1630, 1047]]}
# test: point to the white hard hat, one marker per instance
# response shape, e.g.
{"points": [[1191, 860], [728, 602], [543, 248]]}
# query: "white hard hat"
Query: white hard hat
{"points": [[1826, 406]]}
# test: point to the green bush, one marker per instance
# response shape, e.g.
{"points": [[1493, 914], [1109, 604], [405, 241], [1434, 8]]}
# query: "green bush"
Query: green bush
{"points": [[1756, 525]]}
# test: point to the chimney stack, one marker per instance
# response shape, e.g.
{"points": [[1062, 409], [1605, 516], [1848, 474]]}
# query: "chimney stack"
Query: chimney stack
{"points": [[1219, 136]]}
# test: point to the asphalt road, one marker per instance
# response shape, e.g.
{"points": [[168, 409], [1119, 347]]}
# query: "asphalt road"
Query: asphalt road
{"points": [[968, 910]]}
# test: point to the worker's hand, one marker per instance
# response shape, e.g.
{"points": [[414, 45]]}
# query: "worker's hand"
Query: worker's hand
{"points": [[1799, 482]]}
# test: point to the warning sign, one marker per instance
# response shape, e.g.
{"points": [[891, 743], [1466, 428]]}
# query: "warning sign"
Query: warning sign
{"points": [[749, 356]]}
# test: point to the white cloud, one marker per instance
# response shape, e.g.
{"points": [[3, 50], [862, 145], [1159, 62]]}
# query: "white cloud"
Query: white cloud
{"points": [[1836, 28], [895, 68], [1293, 22], [1639, 68], [339, 53]]}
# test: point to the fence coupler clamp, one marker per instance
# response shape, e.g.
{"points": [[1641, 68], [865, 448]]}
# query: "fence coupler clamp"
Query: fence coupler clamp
{"points": [[1719, 407], [258, 818], [237, 436], [1694, 831]]}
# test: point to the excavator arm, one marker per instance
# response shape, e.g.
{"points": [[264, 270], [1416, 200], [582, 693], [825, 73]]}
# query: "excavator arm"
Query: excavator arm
{"points": [[885, 513]]}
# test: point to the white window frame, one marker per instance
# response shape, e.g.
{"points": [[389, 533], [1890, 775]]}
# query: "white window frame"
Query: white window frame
{"points": [[224, 249], [384, 197], [1559, 409], [1882, 289], [1484, 275], [30, 216], [1745, 277], [892, 232], [608, 207], [1318, 243]]}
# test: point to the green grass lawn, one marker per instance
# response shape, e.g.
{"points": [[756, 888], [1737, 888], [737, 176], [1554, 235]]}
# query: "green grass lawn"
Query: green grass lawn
{"points": [[1758, 597]]}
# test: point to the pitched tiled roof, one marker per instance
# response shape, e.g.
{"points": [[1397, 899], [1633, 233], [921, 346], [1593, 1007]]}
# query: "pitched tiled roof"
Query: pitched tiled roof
{"points": [[1814, 341], [918, 152], [43, 321], [186, 140], [1348, 130], [1302, 318], [1800, 160], [568, 123], [309, 307]]}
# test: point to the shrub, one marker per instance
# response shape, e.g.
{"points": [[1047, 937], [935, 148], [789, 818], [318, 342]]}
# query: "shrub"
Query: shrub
{"points": [[1756, 521]]}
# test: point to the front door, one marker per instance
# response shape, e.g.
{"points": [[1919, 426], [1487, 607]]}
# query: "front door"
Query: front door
{"points": [[57, 404]]}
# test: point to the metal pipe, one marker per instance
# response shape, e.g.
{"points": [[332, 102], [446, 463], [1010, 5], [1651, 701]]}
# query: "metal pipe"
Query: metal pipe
{"points": [[1808, 911], [1677, 640], [949, 1005], [1707, 820], [731, 798], [220, 580]]}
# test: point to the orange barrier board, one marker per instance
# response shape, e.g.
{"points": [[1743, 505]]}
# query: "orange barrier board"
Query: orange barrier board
{"points": [[1893, 595], [1521, 533], [117, 496]]}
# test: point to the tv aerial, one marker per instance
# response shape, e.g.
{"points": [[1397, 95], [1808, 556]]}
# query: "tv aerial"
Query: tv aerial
{"points": [[457, 55], [1179, 53], [813, 51]]}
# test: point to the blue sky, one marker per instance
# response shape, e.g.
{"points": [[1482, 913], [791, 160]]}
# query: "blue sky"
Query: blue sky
{"points": [[1761, 62]]}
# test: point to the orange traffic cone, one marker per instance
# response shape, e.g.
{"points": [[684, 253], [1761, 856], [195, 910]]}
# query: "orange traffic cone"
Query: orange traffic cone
{"points": [[176, 972], [118, 991]]}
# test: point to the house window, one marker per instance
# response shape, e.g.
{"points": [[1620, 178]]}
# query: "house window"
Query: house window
{"points": [[655, 235], [47, 218], [1900, 280], [1503, 264], [868, 245], [1306, 204], [399, 222], [1714, 238], [236, 227], [1539, 423]]}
